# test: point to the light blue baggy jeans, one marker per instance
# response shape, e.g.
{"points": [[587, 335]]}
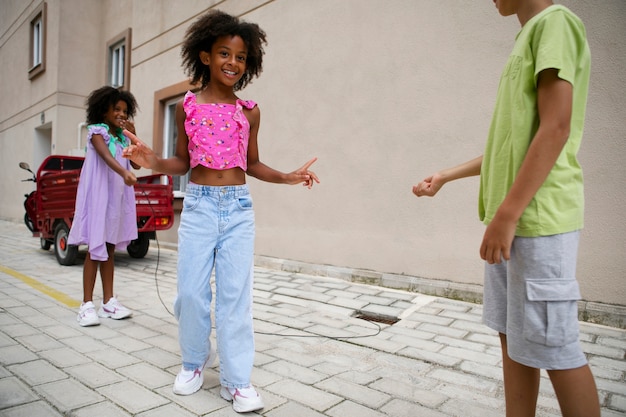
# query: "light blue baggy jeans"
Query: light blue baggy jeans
{"points": [[216, 230]]}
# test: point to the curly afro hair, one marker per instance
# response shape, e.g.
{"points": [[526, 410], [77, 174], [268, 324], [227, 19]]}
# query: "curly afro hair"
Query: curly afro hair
{"points": [[101, 100], [203, 33]]}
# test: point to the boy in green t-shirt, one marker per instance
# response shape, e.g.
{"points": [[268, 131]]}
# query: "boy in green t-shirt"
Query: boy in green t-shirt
{"points": [[531, 199]]}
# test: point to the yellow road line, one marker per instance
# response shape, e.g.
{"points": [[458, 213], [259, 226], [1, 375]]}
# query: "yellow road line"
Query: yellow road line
{"points": [[41, 287]]}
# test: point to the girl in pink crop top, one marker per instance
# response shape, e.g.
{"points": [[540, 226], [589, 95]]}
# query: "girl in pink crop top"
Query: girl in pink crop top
{"points": [[218, 133], [217, 140]]}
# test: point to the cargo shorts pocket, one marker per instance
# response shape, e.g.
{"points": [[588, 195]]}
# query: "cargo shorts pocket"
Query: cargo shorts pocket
{"points": [[551, 312]]}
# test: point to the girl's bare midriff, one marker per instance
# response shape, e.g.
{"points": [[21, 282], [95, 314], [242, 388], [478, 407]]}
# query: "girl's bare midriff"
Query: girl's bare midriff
{"points": [[207, 176]]}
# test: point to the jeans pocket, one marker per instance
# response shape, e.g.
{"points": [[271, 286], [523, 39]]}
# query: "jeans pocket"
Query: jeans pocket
{"points": [[190, 202], [551, 312], [245, 202]]}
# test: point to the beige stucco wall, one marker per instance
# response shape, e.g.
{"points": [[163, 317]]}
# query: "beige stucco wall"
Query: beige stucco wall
{"points": [[382, 92]]}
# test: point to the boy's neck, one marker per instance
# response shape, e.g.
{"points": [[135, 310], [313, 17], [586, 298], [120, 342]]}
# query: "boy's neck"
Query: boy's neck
{"points": [[530, 8]]}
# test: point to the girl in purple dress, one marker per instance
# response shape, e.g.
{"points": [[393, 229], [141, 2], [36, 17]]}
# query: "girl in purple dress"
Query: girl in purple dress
{"points": [[105, 217]]}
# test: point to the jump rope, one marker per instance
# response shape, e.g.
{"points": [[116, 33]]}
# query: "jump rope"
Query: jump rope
{"points": [[156, 282]]}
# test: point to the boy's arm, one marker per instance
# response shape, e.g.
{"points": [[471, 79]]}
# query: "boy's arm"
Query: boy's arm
{"points": [[130, 126], [430, 185], [554, 105]]}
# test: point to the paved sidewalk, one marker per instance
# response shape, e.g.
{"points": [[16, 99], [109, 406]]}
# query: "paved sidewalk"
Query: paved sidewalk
{"points": [[314, 358]]}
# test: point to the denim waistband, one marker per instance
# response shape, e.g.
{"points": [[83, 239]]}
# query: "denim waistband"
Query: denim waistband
{"points": [[217, 190]]}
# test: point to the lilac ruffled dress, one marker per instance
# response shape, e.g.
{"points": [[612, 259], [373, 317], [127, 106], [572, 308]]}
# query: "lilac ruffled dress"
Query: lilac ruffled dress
{"points": [[105, 206]]}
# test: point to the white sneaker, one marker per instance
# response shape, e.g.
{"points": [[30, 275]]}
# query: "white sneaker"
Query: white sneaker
{"points": [[114, 309], [189, 381], [244, 399], [87, 315]]}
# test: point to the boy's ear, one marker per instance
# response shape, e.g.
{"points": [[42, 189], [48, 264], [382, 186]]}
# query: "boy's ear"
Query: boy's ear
{"points": [[205, 57]]}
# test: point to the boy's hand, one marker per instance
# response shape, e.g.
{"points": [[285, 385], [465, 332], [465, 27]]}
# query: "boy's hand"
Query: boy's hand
{"points": [[497, 240], [139, 152], [429, 186]]}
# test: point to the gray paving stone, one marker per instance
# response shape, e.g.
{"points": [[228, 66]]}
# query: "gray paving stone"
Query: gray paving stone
{"points": [[463, 379], [14, 392], [349, 303], [38, 342], [301, 373], [618, 403], [423, 316], [168, 410], [418, 343], [61, 332], [469, 409], [479, 358], [294, 357], [31, 316], [358, 393], [37, 372], [158, 357], [430, 357], [203, 402], [84, 344], [68, 394], [94, 375], [64, 357], [132, 397], [112, 358], [467, 395], [419, 392], [291, 409], [305, 394], [101, 409], [34, 409], [402, 408], [147, 375], [15, 354], [482, 370], [445, 330], [605, 351]]}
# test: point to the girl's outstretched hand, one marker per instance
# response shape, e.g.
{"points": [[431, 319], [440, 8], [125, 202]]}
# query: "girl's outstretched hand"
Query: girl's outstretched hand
{"points": [[139, 152], [303, 175]]}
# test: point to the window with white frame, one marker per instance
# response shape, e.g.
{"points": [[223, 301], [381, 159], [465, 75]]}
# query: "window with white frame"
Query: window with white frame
{"points": [[118, 61], [37, 59], [116, 70], [37, 41], [170, 133]]}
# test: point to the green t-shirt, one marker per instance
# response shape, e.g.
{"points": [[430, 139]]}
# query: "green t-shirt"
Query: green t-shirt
{"points": [[555, 38]]}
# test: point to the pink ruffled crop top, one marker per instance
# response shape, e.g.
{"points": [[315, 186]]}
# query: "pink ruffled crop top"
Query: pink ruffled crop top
{"points": [[218, 133]]}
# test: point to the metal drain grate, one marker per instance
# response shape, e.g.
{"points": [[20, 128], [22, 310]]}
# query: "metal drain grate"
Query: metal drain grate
{"points": [[378, 318]]}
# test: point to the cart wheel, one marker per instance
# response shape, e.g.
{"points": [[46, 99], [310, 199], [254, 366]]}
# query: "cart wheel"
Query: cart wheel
{"points": [[66, 254], [139, 247], [45, 243], [29, 223]]}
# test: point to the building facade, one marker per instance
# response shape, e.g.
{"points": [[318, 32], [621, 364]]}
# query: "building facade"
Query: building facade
{"points": [[382, 92]]}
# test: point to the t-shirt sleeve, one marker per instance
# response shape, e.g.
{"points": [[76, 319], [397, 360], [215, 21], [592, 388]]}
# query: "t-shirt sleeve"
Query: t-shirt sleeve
{"points": [[558, 42]]}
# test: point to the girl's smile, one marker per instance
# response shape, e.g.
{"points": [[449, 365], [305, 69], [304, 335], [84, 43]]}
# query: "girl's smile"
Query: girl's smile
{"points": [[227, 59], [117, 115]]}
